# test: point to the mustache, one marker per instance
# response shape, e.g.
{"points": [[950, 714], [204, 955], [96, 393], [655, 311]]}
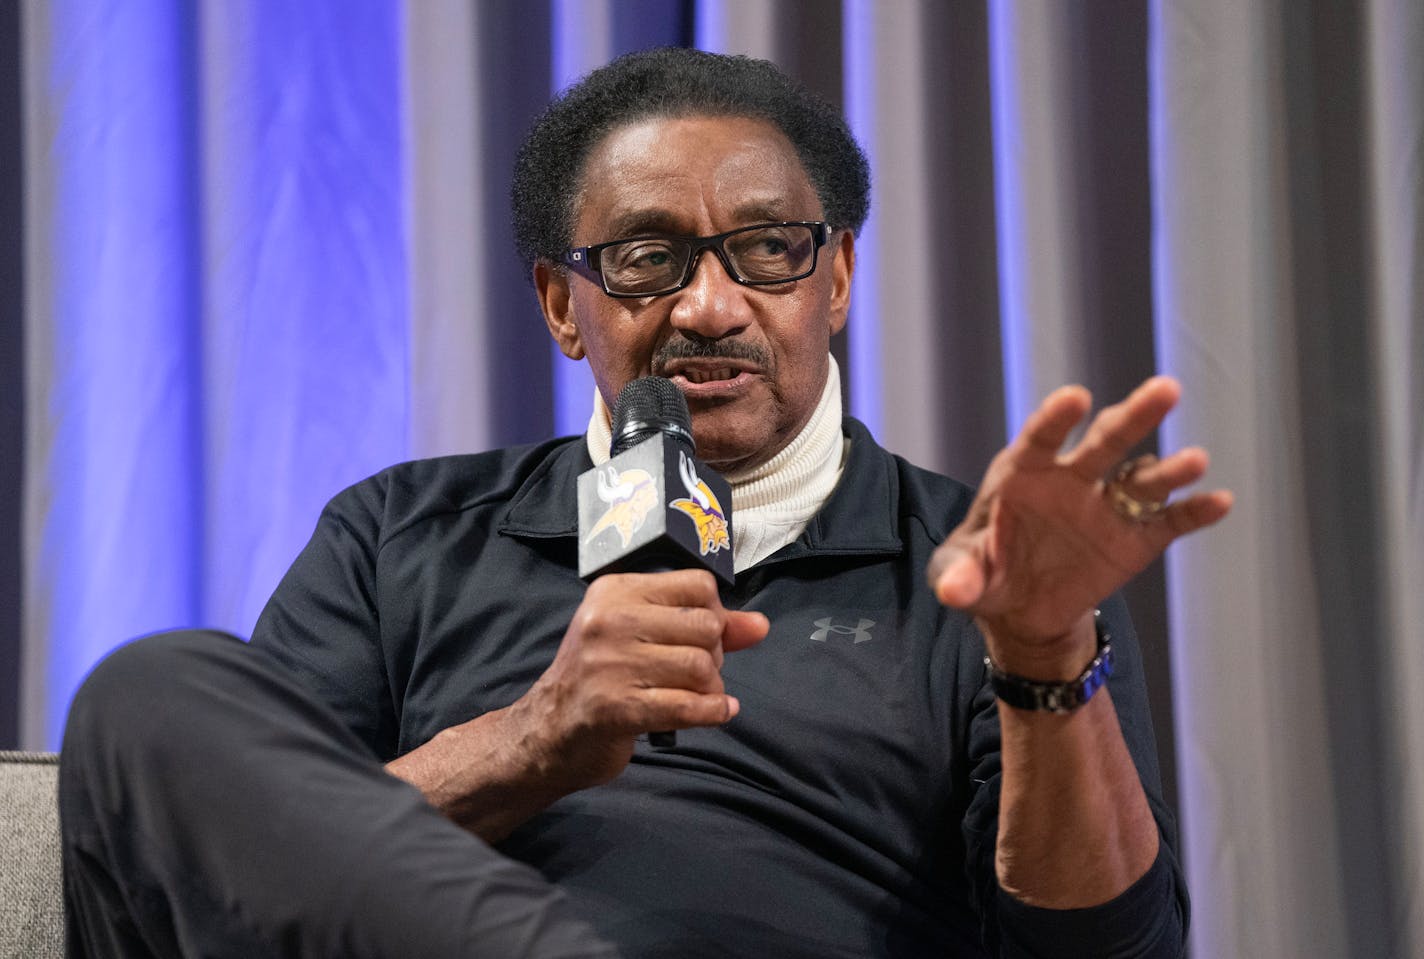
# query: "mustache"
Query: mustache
{"points": [[687, 348]]}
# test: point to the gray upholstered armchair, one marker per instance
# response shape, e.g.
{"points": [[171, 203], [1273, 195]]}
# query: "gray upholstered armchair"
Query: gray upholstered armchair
{"points": [[31, 901]]}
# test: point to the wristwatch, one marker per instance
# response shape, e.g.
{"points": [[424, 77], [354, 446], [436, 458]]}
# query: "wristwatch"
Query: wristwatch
{"points": [[1063, 697]]}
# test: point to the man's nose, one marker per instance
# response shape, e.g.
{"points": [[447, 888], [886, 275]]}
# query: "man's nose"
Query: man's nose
{"points": [[712, 304]]}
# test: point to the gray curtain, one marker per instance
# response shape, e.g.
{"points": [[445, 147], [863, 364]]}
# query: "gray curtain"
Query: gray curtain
{"points": [[1230, 191], [1288, 201]]}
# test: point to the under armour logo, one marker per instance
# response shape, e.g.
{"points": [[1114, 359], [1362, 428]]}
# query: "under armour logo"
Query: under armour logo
{"points": [[861, 630]]}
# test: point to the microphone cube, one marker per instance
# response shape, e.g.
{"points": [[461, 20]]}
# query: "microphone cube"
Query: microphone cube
{"points": [[654, 507]]}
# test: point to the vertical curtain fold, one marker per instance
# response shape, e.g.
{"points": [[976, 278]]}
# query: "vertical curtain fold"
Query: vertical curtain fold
{"points": [[446, 228], [1037, 225], [113, 530], [583, 38], [748, 27], [479, 338], [1263, 266], [923, 339], [305, 297], [1395, 92], [862, 97], [887, 108], [12, 364], [1071, 182], [1221, 325]]}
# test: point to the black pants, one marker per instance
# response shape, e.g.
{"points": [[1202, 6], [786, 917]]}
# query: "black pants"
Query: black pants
{"points": [[210, 807]]}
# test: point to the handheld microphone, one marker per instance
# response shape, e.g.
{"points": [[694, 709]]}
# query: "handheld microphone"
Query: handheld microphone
{"points": [[653, 506]]}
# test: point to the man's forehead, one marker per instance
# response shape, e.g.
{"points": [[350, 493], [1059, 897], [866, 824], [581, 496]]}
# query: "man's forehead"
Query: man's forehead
{"points": [[655, 175]]}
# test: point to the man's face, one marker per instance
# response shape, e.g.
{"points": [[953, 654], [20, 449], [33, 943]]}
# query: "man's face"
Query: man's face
{"points": [[751, 360]]}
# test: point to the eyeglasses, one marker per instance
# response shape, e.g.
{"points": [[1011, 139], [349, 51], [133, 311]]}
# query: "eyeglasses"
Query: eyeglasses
{"points": [[756, 255]]}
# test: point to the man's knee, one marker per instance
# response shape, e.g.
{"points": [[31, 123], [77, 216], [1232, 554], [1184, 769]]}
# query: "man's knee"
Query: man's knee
{"points": [[137, 693]]}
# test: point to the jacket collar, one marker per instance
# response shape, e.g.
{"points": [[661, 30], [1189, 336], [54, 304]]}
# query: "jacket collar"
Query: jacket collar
{"points": [[861, 516]]}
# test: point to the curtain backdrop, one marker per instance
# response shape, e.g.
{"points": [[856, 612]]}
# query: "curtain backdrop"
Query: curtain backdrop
{"points": [[267, 253]]}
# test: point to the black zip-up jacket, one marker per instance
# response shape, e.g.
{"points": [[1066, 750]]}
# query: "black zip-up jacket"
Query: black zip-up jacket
{"points": [[850, 809]]}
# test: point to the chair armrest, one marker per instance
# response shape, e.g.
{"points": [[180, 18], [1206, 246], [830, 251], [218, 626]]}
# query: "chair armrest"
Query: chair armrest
{"points": [[31, 894]]}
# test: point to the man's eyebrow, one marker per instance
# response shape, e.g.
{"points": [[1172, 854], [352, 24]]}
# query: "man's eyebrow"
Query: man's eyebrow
{"points": [[763, 211], [642, 222], [639, 222]]}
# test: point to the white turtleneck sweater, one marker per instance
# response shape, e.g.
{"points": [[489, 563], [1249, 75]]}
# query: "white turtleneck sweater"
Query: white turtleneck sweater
{"points": [[773, 502]]}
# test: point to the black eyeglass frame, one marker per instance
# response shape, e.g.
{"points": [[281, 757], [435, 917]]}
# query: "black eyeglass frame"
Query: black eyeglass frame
{"points": [[585, 259]]}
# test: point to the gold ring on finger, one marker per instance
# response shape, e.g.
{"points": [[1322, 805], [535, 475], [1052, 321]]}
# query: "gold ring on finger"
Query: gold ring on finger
{"points": [[1126, 505]]}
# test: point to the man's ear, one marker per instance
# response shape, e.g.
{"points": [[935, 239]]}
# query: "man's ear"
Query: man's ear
{"points": [[842, 267], [552, 285]]}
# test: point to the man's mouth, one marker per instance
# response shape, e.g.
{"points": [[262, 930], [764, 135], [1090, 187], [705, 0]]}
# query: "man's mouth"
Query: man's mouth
{"points": [[707, 370], [706, 376], [704, 380]]}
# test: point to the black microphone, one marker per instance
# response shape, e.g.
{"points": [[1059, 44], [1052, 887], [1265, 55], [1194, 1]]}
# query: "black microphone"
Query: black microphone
{"points": [[654, 506]]}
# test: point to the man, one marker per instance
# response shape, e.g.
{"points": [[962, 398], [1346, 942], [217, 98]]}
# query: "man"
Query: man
{"points": [[850, 778]]}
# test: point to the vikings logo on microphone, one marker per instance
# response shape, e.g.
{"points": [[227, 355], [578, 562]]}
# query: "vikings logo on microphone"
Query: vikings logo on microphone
{"points": [[630, 495], [703, 508]]}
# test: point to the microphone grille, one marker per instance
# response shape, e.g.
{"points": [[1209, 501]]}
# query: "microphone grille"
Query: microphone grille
{"points": [[650, 405]]}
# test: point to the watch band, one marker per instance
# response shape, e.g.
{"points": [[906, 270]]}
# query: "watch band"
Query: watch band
{"points": [[1062, 697]]}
